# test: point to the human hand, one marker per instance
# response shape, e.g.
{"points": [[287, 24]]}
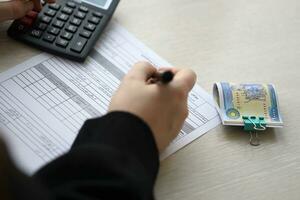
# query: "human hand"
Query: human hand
{"points": [[162, 106], [15, 9]]}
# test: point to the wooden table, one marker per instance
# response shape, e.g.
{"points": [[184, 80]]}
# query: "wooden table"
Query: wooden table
{"points": [[232, 40]]}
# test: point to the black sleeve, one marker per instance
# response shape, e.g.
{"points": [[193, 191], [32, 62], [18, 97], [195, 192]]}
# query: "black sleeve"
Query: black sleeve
{"points": [[113, 157]]}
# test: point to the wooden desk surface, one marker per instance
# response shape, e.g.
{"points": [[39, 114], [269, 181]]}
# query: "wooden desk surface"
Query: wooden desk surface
{"points": [[232, 40]]}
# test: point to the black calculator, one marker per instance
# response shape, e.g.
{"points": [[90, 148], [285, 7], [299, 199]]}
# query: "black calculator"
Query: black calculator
{"points": [[67, 28]]}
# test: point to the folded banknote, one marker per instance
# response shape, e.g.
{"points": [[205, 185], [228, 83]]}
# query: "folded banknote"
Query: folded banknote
{"points": [[234, 101]]}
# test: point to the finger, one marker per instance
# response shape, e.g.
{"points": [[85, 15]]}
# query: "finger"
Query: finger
{"points": [[14, 9], [142, 71], [185, 79], [37, 5], [172, 69]]}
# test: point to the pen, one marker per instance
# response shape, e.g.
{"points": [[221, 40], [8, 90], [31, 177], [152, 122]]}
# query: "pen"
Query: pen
{"points": [[163, 77]]}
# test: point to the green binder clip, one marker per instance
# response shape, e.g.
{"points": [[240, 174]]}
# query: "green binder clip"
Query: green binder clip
{"points": [[252, 124]]}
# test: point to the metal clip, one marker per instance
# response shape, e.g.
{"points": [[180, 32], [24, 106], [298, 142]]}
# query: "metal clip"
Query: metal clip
{"points": [[254, 124], [260, 128], [254, 139]]}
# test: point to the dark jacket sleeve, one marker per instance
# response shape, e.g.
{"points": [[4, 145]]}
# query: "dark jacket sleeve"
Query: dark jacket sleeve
{"points": [[113, 157]]}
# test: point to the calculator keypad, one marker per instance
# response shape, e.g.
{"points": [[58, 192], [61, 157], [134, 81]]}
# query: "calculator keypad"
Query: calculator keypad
{"points": [[62, 43], [36, 33], [75, 21], [49, 38], [50, 13], [80, 15], [66, 21], [66, 35], [54, 6], [86, 34], [53, 31], [98, 14], [46, 19], [58, 23], [83, 9], [63, 17], [90, 27], [71, 28], [94, 20], [79, 45], [41, 26], [71, 4], [64, 27], [67, 10]]}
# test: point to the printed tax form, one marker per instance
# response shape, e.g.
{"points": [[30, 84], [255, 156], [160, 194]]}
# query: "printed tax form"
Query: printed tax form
{"points": [[45, 100]]}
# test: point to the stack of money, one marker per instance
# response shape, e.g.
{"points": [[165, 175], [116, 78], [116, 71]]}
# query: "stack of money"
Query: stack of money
{"points": [[235, 101]]}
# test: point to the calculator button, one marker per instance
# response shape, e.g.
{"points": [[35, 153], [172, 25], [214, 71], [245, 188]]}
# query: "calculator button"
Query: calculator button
{"points": [[76, 21], [54, 6], [58, 23], [67, 10], [53, 31], [63, 17], [36, 33], [90, 27], [49, 38], [79, 44], [62, 42], [50, 12], [26, 21], [46, 19], [66, 35], [41, 26], [85, 33], [94, 20], [71, 4], [71, 28], [83, 9], [98, 14], [21, 28], [80, 15], [32, 14]]}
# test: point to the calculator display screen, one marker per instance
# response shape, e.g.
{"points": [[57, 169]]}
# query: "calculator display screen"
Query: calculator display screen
{"points": [[99, 3]]}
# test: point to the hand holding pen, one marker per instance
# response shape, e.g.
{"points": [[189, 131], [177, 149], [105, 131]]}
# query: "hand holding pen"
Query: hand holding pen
{"points": [[159, 97]]}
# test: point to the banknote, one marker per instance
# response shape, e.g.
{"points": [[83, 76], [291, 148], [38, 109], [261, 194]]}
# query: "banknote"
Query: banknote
{"points": [[237, 100]]}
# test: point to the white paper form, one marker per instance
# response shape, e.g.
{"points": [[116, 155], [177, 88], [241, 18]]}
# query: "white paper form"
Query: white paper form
{"points": [[45, 100]]}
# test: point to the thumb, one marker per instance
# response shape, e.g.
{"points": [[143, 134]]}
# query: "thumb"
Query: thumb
{"points": [[14, 9], [185, 79]]}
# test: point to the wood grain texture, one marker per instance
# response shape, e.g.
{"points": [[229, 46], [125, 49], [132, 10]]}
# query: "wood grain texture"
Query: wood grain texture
{"points": [[232, 40]]}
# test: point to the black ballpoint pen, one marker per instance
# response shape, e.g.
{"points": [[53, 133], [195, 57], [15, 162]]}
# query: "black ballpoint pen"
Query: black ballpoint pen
{"points": [[163, 77]]}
